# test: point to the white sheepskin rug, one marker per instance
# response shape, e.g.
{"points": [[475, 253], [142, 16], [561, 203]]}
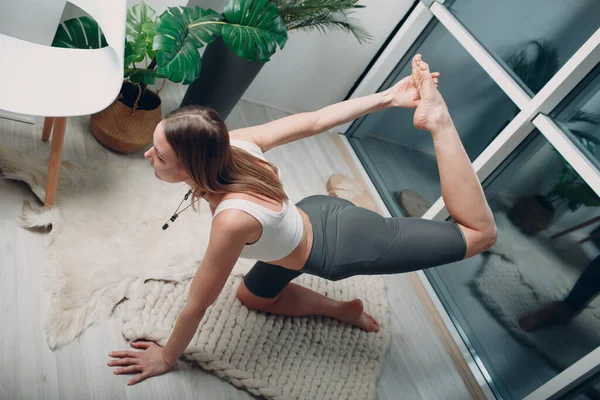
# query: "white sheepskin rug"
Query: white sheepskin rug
{"points": [[272, 356], [107, 245], [522, 276], [106, 235]]}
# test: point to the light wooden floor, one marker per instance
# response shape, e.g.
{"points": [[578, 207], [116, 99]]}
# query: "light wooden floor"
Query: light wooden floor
{"points": [[416, 366]]}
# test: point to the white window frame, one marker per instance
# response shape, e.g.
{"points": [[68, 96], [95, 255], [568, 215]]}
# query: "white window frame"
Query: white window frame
{"points": [[533, 115], [502, 78], [570, 152], [569, 379]]}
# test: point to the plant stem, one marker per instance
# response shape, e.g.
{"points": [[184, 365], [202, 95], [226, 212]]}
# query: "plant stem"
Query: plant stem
{"points": [[161, 87], [139, 95], [152, 64]]}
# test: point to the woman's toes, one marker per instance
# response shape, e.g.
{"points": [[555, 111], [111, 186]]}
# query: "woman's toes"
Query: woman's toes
{"points": [[416, 76], [374, 325]]}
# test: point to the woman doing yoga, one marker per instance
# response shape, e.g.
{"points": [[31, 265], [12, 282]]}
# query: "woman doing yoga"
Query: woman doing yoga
{"points": [[320, 235]]}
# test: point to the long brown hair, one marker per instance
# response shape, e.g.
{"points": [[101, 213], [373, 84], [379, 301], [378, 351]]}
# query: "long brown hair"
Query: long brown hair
{"points": [[200, 138]]}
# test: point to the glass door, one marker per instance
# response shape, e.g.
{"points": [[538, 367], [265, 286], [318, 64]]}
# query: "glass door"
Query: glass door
{"points": [[521, 80]]}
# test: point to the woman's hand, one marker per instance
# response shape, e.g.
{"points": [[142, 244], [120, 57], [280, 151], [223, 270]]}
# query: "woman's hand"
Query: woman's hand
{"points": [[149, 362], [405, 93]]}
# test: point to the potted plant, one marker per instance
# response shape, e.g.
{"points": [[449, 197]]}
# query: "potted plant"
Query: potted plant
{"points": [[128, 124], [240, 40], [570, 188], [167, 47], [534, 213], [535, 64], [226, 73]]}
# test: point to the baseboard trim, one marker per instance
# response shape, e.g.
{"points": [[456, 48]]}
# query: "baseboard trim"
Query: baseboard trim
{"points": [[471, 376], [28, 119], [266, 104]]}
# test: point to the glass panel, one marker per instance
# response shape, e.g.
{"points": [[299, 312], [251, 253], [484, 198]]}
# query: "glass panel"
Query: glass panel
{"points": [[579, 115], [528, 306], [532, 38], [401, 158]]}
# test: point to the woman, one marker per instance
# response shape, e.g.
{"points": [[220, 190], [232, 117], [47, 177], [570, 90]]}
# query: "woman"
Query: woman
{"points": [[321, 235]]}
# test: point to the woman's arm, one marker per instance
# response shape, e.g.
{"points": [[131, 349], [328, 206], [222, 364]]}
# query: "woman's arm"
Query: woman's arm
{"points": [[229, 233], [298, 126]]}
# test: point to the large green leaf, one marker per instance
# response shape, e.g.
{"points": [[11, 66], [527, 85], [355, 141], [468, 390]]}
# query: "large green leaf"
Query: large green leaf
{"points": [[129, 56], [150, 29], [147, 76], [180, 32], [137, 16], [254, 29], [138, 49], [577, 192], [80, 33], [140, 30]]}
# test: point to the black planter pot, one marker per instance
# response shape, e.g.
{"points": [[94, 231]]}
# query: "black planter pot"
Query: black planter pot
{"points": [[532, 214], [224, 77]]}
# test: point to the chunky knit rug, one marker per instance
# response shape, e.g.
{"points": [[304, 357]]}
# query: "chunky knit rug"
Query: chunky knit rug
{"points": [[273, 356]]}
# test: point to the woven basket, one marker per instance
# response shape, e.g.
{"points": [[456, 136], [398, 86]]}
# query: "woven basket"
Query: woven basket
{"points": [[124, 130]]}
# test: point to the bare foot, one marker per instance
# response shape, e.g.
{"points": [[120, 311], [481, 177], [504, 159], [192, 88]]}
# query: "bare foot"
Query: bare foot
{"points": [[354, 315], [555, 312], [431, 113]]}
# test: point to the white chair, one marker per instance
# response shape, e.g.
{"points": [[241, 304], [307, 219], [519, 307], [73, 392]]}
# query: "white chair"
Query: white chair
{"points": [[56, 82]]}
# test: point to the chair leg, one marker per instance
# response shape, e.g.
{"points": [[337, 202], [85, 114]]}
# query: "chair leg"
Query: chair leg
{"points": [[58, 138], [47, 130]]}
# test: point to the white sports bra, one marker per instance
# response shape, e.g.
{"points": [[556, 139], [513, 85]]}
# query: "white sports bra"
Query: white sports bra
{"points": [[281, 230]]}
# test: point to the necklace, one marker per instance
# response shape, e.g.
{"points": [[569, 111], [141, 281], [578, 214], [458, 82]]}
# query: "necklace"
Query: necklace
{"points": [[177, 212]]}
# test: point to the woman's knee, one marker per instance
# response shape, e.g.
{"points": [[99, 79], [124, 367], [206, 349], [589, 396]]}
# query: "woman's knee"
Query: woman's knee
{"points": [[252, 301]]}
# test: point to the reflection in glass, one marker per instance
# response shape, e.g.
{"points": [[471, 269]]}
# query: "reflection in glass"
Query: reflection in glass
{"points": [[579, 116], [529, 306], [532, 38], [400, 158]]}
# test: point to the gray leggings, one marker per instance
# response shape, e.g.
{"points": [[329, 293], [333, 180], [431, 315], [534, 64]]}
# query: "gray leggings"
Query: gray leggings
{"points": [[350, 240]]}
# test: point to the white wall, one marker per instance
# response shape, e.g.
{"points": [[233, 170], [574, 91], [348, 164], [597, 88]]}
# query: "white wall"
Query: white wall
{"points": [[312, 70], [157, 5]]}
